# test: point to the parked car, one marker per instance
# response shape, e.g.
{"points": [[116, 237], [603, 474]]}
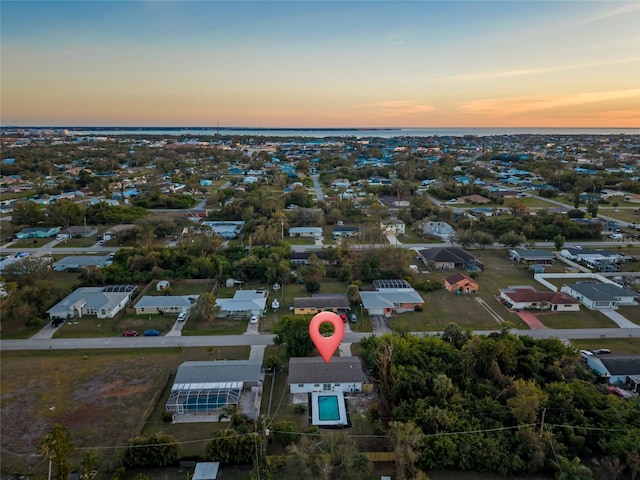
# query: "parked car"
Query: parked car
{"points": [[182, 317], [151, 333], [353, 317], [343, 316], [56, 322], [601, 351], [254, 319], [585, 354], [130, 333]]}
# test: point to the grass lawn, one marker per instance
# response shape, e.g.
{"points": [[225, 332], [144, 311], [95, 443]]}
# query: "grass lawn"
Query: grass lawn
{"points": [[101, 396], [184, 289], [299, 240], [409, 237], [442, 308], [631, 313], [621, 346], [31, 242], [110, 327], [217, 326], [584, 319]]}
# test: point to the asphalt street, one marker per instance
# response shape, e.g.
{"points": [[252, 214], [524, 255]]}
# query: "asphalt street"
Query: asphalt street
{"points": [[267, 339]]}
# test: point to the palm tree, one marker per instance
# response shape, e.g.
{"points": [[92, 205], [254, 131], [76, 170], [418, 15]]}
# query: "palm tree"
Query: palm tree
{"points": [[571, 469], [405, 437]]}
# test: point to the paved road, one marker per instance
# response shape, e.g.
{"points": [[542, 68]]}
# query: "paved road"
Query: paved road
{"points": [[260, 339], [317, 187]]}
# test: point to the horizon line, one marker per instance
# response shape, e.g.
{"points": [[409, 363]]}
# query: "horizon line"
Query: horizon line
{"points": [[216, 127]]}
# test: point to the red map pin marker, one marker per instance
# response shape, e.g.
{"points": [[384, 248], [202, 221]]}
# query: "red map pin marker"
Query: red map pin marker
{"points": [[326, 345]]}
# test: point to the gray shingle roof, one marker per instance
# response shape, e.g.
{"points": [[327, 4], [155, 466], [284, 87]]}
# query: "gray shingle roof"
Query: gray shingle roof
{"points": [[600, 291], [322, 301], [152, 301], [621, 364], [315, 370], [219, 371]]}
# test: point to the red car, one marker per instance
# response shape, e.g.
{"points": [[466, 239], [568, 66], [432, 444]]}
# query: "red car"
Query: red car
{"points": [[343, 316], [130, 333]]}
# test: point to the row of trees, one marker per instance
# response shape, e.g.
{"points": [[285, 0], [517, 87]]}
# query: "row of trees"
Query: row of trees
{"points": [[520, 401]]}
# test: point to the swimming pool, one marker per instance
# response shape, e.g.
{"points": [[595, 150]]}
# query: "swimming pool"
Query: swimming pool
{"points": [[328, 409]]}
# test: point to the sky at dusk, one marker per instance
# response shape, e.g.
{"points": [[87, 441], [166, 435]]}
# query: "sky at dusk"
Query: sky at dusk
{"points": [[321, 64]]}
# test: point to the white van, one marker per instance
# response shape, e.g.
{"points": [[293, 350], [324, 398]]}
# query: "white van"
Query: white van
{"points": [[182, 317]]}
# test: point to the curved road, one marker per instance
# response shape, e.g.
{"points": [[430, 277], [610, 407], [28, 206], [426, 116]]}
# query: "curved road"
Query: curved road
{"points": [[267, 339]]}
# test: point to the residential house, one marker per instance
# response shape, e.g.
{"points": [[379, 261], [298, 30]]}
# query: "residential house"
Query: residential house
{"points": [[507, 193], [527, 297], [79, 231], [244, 303], [313, 374], [344, 232], [315, 232], [538, 257], [226, 229], [393, 226], [475, 198], [299, 259], [600, 260], [450, 258], [336, 303], [341, 183], [389, 297], [439, 229], [597, 296], [76, 262], [617, 369], [37, 232], [202, 389], [103, 302], [153, 304], [460, 283]]}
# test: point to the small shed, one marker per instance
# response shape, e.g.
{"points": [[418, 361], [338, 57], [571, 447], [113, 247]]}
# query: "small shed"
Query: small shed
{"points": [[162, 285], [206, 471]]}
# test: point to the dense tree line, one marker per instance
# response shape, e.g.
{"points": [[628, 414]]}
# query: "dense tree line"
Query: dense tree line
{"points": [[497, 387]]}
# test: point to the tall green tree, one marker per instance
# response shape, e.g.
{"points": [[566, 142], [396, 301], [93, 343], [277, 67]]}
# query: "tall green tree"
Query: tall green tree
{"points": [[293, 331], [405, 438], [157, 450], [334, 457], [571, 469], [58, 446]]}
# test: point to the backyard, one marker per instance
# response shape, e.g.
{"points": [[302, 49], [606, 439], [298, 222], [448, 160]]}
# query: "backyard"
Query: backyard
{"points": [[102, 396]]}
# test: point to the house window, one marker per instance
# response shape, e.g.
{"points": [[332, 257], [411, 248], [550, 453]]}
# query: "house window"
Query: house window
{"points": [[326, 386], [316, 385], [301, 385]]}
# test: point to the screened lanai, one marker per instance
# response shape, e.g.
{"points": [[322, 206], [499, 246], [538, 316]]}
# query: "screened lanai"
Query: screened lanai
{"points": [[203, 397], [201, 390]]}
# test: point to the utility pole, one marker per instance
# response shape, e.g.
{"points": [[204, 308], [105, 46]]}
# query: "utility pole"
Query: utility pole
{"points": [[544, 411]]}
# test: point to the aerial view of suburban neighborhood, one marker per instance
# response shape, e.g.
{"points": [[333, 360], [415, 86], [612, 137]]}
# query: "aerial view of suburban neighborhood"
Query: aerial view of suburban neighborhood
{"points": [[319, 240], [157, 289]]}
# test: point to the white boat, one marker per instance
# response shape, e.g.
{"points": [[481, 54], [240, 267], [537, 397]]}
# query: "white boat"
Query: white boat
{"points": [[275, 305]]}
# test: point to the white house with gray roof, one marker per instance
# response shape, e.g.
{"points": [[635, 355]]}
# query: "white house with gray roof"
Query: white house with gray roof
{"points": [[151, 304], [243, 304], [390, 296], [313, 374], [103, 302], [76, 262], [598, 296]]}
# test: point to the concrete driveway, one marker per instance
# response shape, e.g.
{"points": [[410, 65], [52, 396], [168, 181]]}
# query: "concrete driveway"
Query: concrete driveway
{"points": [[379, 324]]}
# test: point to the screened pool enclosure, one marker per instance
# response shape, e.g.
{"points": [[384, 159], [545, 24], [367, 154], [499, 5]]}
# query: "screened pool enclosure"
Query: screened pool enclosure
{"points": [[203, 398]]}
